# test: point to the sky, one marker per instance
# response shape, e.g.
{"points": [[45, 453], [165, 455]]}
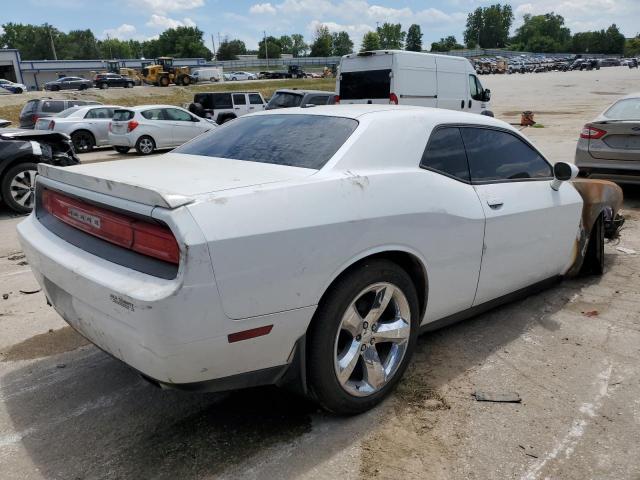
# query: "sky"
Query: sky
{"points": [[248, 19]]}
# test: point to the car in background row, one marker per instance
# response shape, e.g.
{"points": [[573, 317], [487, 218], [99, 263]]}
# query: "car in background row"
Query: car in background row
{"points": [[287, 98], [68, 83], [222, 107], [88, 126], [46, 107], [149, 127], [208, 75], [609, 145], [12, 87], [233, 76], [20, 153], [106, 80], [610, 62]]}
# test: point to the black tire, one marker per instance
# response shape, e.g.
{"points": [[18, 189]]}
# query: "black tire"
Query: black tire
{"points": [[55, 88], [19, 197], [82, 87], [325, 387], [235, 79], [83, 141], [130, 85], [594, 257], [121, 149], [142, 145], [103, 86], [186, 80], [164, 81], [18, 90]]}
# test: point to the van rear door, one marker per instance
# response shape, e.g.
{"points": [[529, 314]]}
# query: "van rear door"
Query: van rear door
{"points": [[365, 79]]}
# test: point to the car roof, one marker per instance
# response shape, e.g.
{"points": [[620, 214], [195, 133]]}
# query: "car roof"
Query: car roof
{"points": [[139, 108], [359, 111], [303, 92]]}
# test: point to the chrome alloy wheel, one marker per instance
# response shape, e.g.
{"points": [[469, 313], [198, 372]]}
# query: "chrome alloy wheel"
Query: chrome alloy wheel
{"points": [[372, 339], [22, 188], [146, 145]]}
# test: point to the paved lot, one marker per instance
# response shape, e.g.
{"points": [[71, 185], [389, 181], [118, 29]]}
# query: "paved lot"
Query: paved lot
{"points": [[69, 411]]}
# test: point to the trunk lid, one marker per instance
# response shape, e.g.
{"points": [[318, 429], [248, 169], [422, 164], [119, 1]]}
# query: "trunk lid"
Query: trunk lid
{"points": [[621, 142], [170, 180]]}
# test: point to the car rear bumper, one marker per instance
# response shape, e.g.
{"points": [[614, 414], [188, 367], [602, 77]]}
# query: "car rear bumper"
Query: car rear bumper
{"points": [[121, 140], [172, 331], [619, 171]]}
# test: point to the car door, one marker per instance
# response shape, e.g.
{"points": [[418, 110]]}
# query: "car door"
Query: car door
{"points": [[98, 120], [240, 106], [255, 103], [184, 126], [158, 126], [530, 229], [452, 224]]}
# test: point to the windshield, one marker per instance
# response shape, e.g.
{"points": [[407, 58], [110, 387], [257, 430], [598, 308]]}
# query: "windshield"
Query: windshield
{"points": [[365, 85], [284, 100], [628, 109], [306, 141]]}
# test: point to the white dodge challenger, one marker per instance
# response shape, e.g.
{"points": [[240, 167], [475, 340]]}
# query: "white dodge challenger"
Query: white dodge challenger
{"points": [[309, 246]]}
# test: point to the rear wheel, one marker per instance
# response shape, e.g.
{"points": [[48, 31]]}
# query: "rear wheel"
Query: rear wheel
{"points": [[129, 85], [362, 337], [121, 149], [83, 141], [594, 258], [18, 187], [145, 145], [104, 86]]}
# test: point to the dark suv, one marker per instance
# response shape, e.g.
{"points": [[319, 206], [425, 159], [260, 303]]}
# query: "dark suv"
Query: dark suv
{"points": [[287, 98], [47, 107], [106, 80]]}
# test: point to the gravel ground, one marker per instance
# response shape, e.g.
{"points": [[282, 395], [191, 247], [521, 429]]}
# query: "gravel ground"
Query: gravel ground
{"points": [[68, 411]]}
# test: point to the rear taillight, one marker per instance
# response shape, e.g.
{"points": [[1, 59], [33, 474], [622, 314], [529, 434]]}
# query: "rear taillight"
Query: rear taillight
{"points": [[145, 238], [337, 99], [592, 133], [34, 118], [52, 125], [131, 126], [393, 99]]}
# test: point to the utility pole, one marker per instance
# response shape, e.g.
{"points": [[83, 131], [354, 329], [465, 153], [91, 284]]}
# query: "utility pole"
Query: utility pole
{"points": [[110, 50], [266, 50], [53, 47], [213, 44]]}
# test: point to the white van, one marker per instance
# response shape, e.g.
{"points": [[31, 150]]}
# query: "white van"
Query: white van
{"points": [[210, 74], [411, 78]]}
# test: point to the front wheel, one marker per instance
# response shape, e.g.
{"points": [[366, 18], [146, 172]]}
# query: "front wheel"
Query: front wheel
{"points": [[362, 337], [18, 187], [145, 145]]}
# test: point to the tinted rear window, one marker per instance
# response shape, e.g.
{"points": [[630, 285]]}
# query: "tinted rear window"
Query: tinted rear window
{"points": [[307, 141], [285, 100], [445, 153], [365, 85], [628, 109], [122, 115], [214, 100], [53, 106]]}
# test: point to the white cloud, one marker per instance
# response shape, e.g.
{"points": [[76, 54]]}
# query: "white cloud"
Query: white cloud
{"points": [[123, 32], [165, 6], [262, 8], [355, 31], [160, 21]]}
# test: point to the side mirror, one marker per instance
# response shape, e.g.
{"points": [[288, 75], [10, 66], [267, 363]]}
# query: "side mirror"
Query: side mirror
{"points": [[486, 95], [563, 172]]}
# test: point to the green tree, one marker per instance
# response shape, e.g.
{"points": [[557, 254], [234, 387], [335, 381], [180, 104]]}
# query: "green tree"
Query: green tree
{"points": [[33, 41], [543, 33], [490, 25], [632, 47], [446, 44], [78, 45], [370, 41], [341, 44], [114, 48], [184, 42], [391, 36], [322, 44], [414, 38], [273, 50], [299, 47], [230, 49], [286, 44]]}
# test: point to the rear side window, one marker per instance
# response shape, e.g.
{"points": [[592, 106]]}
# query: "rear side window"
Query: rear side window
{"points": [[29, 107], [495, 155], [365, 85], [317, 100], [154, 114], [255, 99], [103, 113], [53, 106], [445, 154], [122, 115], [177, 115], [239, 99], [306, 141]]}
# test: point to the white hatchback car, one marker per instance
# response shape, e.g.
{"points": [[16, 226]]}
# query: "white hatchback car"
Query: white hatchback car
{"points": [[151, 127], [308, 246]]}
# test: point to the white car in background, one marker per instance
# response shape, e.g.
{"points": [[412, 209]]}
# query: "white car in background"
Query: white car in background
{"points": [[233, 76], [308, 246], [12, 87], [150, 127], [88, 126]]}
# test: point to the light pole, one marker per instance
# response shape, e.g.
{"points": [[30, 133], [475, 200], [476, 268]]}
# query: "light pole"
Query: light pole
{"points": [[266, 49]]}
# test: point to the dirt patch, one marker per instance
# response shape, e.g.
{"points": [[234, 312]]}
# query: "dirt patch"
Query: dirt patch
{"points": [[607, 93], [511, 113], [44, 345]]}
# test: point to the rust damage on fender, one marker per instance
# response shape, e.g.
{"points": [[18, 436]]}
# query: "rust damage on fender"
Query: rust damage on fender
{"points": [[599, 197]]}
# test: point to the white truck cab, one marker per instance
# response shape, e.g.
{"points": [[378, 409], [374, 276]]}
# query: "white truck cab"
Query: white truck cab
{"points": [[411, 78]]}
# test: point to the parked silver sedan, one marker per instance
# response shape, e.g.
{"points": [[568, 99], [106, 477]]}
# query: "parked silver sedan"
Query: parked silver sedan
{"points": [[87, 126], [609, 145]]}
